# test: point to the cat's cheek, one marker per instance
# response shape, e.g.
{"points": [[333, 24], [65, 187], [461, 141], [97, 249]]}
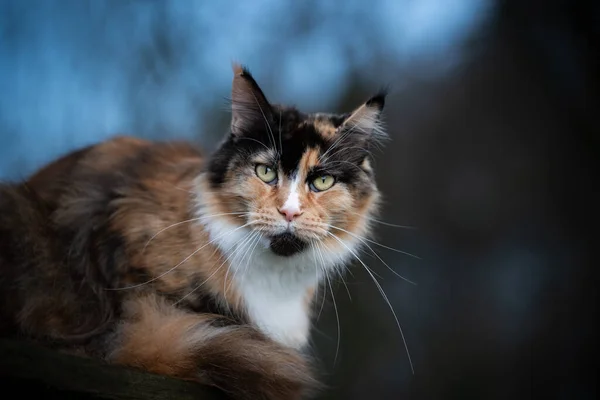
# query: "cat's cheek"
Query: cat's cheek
{"points": [[335, 201]]}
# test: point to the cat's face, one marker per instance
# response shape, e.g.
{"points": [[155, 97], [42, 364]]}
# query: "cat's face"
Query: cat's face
{"points": [[298, 179]]}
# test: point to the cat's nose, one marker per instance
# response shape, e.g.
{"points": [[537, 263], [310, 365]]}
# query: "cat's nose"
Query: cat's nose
{"points": [[290, 213]]}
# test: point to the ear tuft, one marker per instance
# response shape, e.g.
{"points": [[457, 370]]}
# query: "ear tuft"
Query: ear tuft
{"points": [[378, 100], [366, 119], [240, 69]]}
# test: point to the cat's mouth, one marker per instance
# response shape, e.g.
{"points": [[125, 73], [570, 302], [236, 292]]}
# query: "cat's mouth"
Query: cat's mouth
{"points": [[287, 244]]}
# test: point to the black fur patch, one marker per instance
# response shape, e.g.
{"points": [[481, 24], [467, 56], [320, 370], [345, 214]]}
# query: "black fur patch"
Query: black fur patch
{"points": [[287, 244]]}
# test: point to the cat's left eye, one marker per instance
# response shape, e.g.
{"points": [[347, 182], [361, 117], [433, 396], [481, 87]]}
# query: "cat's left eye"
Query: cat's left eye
{"points": [[266, 174], [322, 183]]}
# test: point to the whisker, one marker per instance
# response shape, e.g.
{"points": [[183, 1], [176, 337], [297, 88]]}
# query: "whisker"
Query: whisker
{"points": [[258, 237], [314, 254], [168, 227], [346, 286], [181, 262], [214, 272], [324, 271], [393, 249], [344, 162], [180, 223], [244, 136], [280, 145], [248, 245], [339, 140], [235, 253], [352, 147], [341, 276], [184, 190], [265, 118], [381, 291], [337, 317], [376, 255], [376, 243], [384, 223], [255, 140]]}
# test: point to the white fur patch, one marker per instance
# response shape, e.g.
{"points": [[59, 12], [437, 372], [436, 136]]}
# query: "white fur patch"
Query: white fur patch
{"points": [[292, 203]]}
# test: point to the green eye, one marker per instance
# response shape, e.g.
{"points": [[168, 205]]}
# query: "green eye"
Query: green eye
{"points": [[322, 183], [266, 173]]}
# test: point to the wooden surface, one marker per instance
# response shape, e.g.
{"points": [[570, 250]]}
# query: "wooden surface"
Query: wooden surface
{"points": [[31, 369]]}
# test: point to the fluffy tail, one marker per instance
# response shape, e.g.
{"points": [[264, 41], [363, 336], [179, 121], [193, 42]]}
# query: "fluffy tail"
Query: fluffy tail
{"points": [[237, 359]]}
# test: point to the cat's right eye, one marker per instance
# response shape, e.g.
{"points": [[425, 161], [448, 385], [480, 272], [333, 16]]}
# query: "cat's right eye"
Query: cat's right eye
{"points": [[266, 174]]}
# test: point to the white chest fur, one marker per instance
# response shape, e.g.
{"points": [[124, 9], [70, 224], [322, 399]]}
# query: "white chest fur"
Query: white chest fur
{"points": [[273, 289], [276, 305]]}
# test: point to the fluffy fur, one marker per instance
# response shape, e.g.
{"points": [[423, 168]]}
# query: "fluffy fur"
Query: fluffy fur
{"points": [[151, 255]]}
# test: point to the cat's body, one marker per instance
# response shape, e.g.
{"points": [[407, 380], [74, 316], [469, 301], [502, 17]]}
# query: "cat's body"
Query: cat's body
{"points": [[151, 255]]}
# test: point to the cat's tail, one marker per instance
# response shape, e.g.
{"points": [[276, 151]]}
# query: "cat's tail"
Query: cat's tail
{"points": [[207, 348]]}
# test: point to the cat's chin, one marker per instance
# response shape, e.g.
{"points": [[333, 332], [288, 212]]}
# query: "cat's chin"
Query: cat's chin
{"points": [[287, 244]]}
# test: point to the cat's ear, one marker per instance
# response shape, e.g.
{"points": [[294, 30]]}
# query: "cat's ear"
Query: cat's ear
{"points": [[249, 106], [366, 121]]}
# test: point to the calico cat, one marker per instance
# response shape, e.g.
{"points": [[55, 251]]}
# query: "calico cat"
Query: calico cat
{"points": [[151, 255]]}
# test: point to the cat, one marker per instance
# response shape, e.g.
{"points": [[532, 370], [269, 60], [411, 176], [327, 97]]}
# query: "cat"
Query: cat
{"points": [[154, 256]]}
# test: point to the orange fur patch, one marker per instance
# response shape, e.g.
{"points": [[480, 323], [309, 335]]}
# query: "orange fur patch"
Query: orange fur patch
{"points": [[159, 338], [325, 127]]}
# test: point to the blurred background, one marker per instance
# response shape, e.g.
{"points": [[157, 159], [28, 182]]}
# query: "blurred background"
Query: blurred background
{"points": [[493, 115]]}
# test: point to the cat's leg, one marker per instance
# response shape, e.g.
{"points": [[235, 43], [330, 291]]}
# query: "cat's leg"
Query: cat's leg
{"points": [[160, 338]]}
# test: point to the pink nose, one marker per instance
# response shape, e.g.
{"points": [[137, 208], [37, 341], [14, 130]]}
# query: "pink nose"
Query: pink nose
{"points": [[290, 214]]}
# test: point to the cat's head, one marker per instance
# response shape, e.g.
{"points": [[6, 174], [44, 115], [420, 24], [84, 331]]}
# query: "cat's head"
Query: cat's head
{"points": [[301, 180]]}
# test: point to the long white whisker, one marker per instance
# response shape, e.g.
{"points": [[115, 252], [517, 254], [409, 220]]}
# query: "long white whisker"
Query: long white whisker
{"points": [[376, 255], [392, 249], [280, 144], [340, 275], [168, 227], [314, 254], [255, 236], [346, 286], [324, 296], [383, 223], [339, 140], [243, 275], [215, 271], [254, 140], [364, 239], [384, 297], [352, 147], [344, 162], [184, 190], [244, 137], [185, 222], [235, 254], [181, 262], [337, 318]]}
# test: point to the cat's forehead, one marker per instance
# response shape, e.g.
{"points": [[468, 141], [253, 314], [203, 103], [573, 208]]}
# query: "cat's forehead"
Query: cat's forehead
{"points": [[326, 125], [304, 137], [293, 122]]}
